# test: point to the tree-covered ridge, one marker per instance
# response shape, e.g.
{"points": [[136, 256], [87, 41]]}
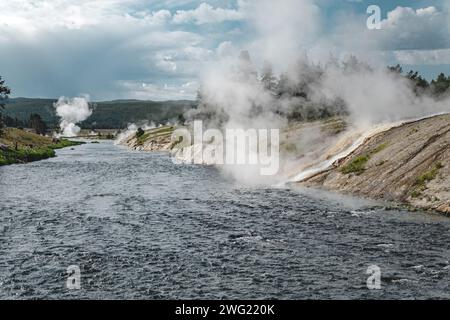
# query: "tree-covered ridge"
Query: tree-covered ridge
{"points": [[437, 88], [299, 94], [294, 97], [106, 115]]}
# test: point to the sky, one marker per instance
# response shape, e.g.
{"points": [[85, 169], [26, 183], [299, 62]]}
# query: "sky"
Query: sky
{"points": [[158, 50]]}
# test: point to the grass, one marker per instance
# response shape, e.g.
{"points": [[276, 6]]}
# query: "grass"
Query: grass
{"points": [[23, 155], [23, 146], [421, 182], [429, 175], [380, 148], [64, 143], [358, 164], [12, 136]]}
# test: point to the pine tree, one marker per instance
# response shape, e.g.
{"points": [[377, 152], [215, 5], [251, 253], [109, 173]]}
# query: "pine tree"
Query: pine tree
{"points": [[4, 92]]}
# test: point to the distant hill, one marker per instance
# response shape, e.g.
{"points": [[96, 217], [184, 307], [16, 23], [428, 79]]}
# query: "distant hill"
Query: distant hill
{"points": [[106, 115]]}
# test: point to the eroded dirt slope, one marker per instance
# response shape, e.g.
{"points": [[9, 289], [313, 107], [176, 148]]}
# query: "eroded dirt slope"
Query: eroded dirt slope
{"points": [[409, 164]]}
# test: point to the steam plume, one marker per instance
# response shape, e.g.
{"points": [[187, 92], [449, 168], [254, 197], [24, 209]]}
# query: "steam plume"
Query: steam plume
{"points": [[72, 111], [287, 36]]}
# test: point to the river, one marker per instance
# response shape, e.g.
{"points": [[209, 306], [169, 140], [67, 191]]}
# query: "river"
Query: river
{"points": [[140, 227]]}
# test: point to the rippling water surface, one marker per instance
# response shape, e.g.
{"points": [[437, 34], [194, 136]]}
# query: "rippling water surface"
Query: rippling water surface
{"points": [[140, 227]]}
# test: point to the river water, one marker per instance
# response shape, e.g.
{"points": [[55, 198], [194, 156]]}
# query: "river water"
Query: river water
{"points": [[140, 227]]}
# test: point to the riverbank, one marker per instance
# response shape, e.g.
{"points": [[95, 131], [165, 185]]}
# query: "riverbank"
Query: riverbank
{"points": [[19, 146], [408, 164], [155, 139]]}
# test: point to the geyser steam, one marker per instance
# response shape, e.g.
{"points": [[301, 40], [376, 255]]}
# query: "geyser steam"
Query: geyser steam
{"points": [[299, 79], [71, 112]]}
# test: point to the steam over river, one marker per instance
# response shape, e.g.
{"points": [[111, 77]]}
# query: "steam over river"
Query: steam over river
{"points": [[141, 227]]}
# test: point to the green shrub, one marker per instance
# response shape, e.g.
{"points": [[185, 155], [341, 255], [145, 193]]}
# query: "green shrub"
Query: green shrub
{"points": [[429, 175], [357, 165], [421, 182], [380, 148]]}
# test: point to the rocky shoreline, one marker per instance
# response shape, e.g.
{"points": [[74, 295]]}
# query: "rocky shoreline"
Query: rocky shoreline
{"points": [[156, 139]]}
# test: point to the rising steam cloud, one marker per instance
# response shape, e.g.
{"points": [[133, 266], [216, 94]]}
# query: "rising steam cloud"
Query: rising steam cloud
{"points": [[72, 111], [287, 38]]}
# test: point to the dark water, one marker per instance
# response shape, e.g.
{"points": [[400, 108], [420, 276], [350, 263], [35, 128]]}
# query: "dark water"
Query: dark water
{"points": [[140, 227]]}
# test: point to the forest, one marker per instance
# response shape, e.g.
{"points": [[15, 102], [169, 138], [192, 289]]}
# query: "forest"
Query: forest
{"points": [[20, 112]]}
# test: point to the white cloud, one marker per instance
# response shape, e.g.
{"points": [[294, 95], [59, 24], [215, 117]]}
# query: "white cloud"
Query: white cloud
{"points": [[30, 16], [423, 57], [407, 35], [205, 13], [157, 18], [226, 49], [424, 28], [67, 47], [61, 47], [164, 39], [160, 92]]}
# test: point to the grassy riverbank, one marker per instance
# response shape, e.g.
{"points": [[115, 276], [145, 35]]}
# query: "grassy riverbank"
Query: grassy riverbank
{"points": [[19, 146]]}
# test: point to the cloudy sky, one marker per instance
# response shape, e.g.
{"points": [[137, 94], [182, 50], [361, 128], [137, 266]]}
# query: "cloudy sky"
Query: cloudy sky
{"points": [[155, 49]]}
